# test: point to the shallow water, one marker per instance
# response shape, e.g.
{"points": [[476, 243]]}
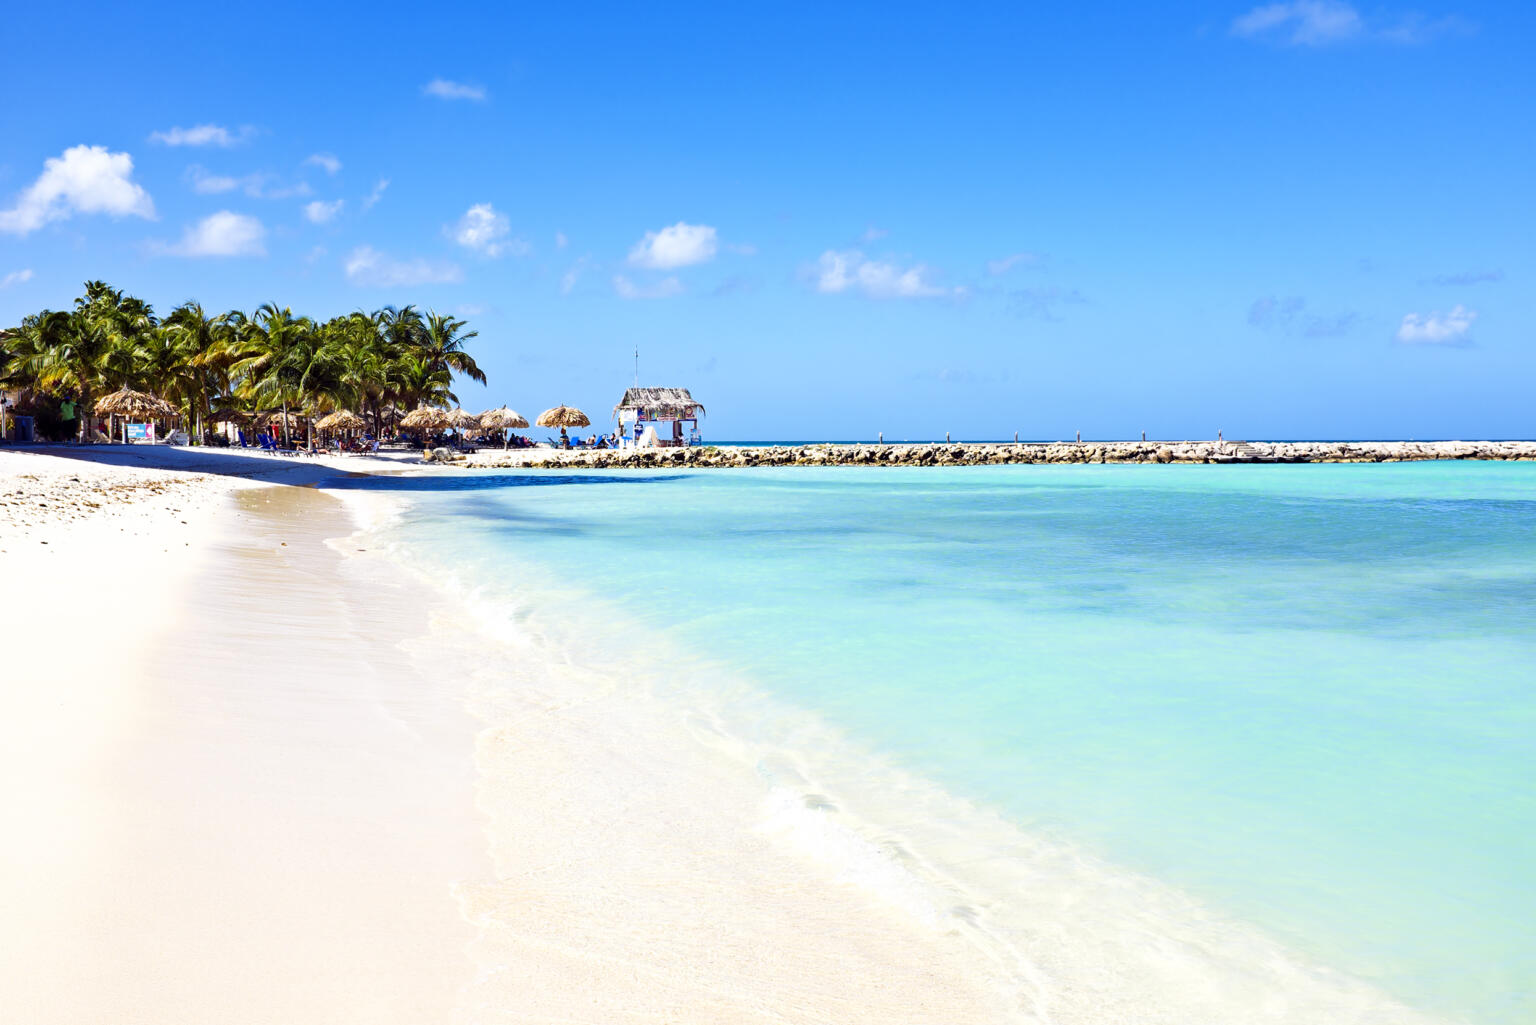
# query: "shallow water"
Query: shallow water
{"points": [[1301, 695]]}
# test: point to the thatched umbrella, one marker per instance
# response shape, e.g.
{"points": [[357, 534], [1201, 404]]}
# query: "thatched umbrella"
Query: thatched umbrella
{"points": [[127, 403], [425, 418], [341, 420], [563, 416], [229, 414], [504, 419], [461, 420]]}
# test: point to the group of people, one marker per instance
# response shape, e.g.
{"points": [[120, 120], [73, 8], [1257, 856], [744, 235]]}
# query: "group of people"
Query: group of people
{"points": [[593, 441]]}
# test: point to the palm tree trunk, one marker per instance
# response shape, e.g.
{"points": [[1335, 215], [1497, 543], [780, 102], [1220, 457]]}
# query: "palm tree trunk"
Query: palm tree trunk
{"points": [[287, 441]]}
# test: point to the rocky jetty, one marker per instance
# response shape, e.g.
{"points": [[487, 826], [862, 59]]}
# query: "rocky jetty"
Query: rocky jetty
{"points": [[993, 454]]}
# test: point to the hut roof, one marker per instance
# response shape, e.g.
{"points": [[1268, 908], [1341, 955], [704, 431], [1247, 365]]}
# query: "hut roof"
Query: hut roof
{"points": [[659, 401], [127, 402]]}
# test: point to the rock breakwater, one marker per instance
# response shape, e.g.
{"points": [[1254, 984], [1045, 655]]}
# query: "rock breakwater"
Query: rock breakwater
{"points": [[993, 454]]}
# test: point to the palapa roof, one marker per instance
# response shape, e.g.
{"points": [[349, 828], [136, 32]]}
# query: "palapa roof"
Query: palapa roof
{"points": [[502, 419], [461, 419], [563, 416], [127, 402], [425, 418], [341, 420], [673, 402]]}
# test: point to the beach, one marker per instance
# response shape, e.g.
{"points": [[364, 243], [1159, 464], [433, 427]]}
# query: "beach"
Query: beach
{"points": [[238, 795], [356, 739]]}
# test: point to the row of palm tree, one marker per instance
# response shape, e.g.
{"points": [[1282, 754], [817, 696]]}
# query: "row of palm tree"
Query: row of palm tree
{"points": [[376, 363]]}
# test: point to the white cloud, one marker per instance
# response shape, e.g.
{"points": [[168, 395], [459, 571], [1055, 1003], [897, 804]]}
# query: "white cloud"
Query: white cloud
{"points": [[223, 234], [321, 212], [446, 90], [376, 195], [874, 234], [677, 246], [569, 278], [208, 184], [1301, 22], [997, 268], [16, 277], [560, 240], [1436, 328], [850, 269], [85, 179], [285, 192], [201, 135], [1326, 22], [367, 266], [323, 160], [255, 185], [663, 289], [485, 231]]}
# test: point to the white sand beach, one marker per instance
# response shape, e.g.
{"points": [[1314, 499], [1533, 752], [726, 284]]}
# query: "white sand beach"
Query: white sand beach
{"points": [[237, 791]]}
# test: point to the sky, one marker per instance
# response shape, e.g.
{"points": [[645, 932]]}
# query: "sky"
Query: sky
{"points": [[1302, 219]]}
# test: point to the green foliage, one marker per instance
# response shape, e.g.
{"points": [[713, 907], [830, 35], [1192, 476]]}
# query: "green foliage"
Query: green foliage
{"points": [[273, 359]]}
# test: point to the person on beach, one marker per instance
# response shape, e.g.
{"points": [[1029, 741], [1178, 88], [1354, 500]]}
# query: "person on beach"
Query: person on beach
{"points": [[70, 425]]}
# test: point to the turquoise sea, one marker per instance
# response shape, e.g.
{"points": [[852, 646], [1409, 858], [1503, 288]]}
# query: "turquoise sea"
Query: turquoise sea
{"points": [[1305, 696]]}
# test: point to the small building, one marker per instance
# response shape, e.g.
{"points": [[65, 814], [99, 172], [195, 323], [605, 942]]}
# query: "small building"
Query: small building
{"points": [[664, 409]]}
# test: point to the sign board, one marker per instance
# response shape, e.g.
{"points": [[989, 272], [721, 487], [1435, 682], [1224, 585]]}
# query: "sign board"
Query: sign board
{"points": [[139, 432]]}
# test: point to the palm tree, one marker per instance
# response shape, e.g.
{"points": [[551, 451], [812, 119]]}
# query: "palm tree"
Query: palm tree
{"points": [[442, 346], [204, 342], [273, 342], [392, 357]]}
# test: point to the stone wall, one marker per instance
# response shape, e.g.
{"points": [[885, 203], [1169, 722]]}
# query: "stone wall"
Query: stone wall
{"points": [[970, 454]]}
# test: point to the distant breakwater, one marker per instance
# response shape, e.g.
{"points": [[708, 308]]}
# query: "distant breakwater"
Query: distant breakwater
{"points": [[998, 453]]}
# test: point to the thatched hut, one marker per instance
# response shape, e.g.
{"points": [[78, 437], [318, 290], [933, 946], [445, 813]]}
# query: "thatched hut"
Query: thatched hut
{"points": [[666, 409], [135, 405], [127, 402]]}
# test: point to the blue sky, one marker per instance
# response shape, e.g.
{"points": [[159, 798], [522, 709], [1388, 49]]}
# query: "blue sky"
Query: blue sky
{"points": [[1300, 219]]}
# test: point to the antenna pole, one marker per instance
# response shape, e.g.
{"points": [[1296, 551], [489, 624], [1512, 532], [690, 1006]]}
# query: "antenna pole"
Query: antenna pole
{"points": [[637, 366]]}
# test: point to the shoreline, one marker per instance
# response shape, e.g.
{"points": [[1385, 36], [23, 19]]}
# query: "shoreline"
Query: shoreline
{"points": [[636, 856], [277, 813]]}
